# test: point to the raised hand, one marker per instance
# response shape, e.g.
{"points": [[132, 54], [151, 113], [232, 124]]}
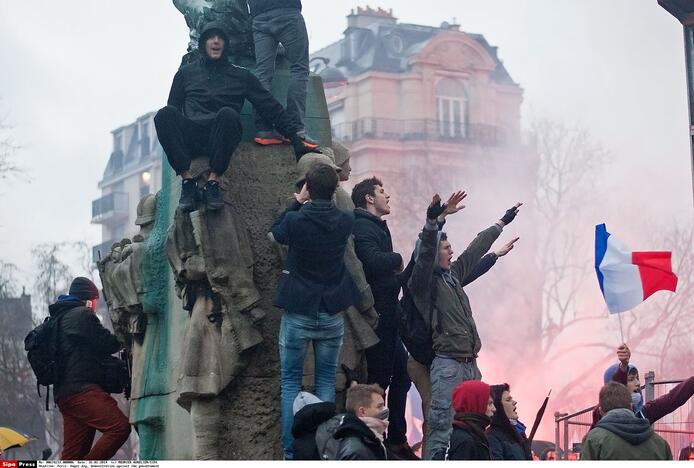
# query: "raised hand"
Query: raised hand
{"points": [[624, 355], [506, 248], [303, 196], [435, 208], [451, 205], [510, 214]]}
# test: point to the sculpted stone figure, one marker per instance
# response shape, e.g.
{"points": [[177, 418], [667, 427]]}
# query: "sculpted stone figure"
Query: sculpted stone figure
{"points": [[122, 278], [210, 254], [232, 13]]}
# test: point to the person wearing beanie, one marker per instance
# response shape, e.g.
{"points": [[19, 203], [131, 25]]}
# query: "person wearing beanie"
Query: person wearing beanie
{"points": [[627, 374], [474, 409], [309, 413], [620, 434], [507, 439], [202, 116], [83, 343]]}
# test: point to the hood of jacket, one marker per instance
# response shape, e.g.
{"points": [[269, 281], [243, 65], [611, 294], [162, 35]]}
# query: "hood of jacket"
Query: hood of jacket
{"points": [[207, 30], [623, 423], [323, 213], [63, 304], [308, 418], [471, 396]]}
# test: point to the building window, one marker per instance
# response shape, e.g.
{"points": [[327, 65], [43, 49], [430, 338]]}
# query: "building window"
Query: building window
{"points": [[452, 106], [144, 140]]}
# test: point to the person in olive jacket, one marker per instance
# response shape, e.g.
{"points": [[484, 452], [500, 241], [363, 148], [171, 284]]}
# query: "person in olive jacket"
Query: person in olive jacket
{"points": [[506, 434], [202, 115], [436, 289], [82, 344]]}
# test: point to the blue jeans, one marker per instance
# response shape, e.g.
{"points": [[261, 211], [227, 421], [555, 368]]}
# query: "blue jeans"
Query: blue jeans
{"points": [[325, 331], [286, 26], [446, 374]]}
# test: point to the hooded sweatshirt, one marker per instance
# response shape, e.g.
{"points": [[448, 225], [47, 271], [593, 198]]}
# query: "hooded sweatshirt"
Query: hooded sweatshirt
{"points": [[315, 277], [620, 435], [202, 88]]}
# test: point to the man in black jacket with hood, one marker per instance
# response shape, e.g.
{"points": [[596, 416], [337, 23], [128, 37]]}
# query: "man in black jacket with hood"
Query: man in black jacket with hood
{"points": [[202, 115], [82, 345]]}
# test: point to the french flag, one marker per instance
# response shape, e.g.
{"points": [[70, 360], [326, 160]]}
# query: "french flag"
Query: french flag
{"points": [[628, 278]]}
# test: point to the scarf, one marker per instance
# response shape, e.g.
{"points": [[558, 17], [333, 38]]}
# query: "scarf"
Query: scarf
{"points": [[377, 426]]}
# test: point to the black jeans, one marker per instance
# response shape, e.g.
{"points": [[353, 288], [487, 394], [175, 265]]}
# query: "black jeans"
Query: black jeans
{"points": [[184, 139], [285, 25], [387, 366]]}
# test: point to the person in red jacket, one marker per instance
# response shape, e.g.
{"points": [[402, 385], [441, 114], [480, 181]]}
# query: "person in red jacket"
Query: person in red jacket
{"points": [[627, 374]]}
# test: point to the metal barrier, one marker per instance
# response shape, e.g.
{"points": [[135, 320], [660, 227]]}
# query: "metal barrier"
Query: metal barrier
{"points": [[677, 428]]}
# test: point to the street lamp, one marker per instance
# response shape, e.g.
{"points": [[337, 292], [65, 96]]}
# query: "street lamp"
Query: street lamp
{"points": [[683, 10]]}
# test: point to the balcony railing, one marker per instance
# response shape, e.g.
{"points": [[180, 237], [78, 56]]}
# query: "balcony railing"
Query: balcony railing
{"points": [[420, 129], [110, 208]]}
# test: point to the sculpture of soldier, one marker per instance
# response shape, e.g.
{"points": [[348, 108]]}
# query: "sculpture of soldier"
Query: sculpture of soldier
{"points": [[212, 261]]}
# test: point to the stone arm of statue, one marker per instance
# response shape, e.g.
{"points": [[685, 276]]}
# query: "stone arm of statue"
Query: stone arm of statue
{"points": [[268, 107], [177, 95], [279, 232]]}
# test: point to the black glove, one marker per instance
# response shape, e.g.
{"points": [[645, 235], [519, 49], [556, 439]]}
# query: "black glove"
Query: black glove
{"points": [[435, 208], [299, 148], [350, 376], [510, 215]]}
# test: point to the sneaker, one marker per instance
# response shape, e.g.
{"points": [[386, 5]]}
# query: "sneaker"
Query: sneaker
{"points": [[188, 191], [309, 142], [401, 451], [213, 195], [267, 138]]}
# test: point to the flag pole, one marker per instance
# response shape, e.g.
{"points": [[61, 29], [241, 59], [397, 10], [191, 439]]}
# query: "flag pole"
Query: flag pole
{"points": [[621, 330]]}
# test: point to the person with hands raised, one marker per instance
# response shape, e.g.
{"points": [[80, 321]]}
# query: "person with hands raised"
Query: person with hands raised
{"points": [[436, 286]]}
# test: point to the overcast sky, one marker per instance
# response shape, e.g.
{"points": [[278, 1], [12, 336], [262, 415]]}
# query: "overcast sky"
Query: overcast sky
{"points": [[74, 70]]}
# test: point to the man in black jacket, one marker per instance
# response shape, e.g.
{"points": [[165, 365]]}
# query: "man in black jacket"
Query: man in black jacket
{"points": [[313, 289], [82, 345], [202, 115], [275, 22], [387, 360], [361, 432]]}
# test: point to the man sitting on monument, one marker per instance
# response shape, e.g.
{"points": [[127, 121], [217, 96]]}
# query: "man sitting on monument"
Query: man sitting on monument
{"points": [[202, 116], [313, 289]]}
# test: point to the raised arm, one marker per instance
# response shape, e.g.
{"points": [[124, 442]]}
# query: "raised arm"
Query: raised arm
{"points": [[471, 256], [279, 232]]}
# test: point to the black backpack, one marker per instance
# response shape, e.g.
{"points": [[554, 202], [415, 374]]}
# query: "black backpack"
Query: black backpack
{"points": [[415, 332], [41, 345]]}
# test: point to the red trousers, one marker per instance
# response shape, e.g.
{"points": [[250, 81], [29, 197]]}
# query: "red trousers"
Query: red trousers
{"points": [[83, 414]]}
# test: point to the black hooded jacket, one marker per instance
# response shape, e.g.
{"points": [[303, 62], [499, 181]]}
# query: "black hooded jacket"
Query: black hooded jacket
{"points": [[306, 422], [315, 277], [357, 441], [82, 344], [200, 89]]}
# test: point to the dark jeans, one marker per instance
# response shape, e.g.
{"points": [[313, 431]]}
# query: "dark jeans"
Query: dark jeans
{"points": [[387, 366], [184, 139], [285, 25], [86, 412]]}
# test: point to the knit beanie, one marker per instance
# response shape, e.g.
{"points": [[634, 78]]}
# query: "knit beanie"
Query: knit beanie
{"points": [[84, 289], [471, 396]]}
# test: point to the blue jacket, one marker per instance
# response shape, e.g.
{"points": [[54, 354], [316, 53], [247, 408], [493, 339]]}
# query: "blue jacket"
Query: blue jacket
{"points": [[315, 277]]}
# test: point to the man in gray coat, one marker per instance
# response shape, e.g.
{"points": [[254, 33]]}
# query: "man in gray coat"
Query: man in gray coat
{"points": [[436, 288]]}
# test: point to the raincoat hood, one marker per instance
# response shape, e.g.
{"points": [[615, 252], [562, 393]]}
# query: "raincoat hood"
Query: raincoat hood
{"points": [[206, 32]]}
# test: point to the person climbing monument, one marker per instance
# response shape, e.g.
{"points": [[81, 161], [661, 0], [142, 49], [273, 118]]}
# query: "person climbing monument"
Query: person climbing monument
{"points": [[202, 116]]}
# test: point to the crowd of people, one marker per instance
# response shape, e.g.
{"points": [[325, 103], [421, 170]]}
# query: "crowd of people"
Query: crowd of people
{"points": [[464, 418]]}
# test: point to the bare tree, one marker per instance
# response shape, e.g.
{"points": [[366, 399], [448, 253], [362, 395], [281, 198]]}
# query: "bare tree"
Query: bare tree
{"points": [[8, 148], [54, 274], [8, 284]]}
